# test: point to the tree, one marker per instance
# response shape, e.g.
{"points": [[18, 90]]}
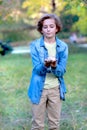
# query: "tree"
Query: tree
{"points": [[17, 15], [36, 8], [68, 20], [78, 8]]}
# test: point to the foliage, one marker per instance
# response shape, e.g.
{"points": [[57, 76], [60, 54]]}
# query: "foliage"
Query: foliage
{"points": [[78, 8], [33, 7], [68, 21], [9, 10], [5, 48], [81, 25], [17, 15]]}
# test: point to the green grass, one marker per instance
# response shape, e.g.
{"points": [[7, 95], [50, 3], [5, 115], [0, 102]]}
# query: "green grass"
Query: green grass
{"points": [[75, 107], [15, 108], [14, 80]]}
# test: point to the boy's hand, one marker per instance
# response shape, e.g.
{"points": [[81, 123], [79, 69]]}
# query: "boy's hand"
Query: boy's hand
{"points": [[47, 62], [51, 61]]}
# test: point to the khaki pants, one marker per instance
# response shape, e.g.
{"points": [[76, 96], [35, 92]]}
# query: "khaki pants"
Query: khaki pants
{"points": [[50, 103]]}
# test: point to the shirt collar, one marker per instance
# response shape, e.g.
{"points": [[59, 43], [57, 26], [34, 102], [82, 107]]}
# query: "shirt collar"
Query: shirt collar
{"points": [[42, 41]]}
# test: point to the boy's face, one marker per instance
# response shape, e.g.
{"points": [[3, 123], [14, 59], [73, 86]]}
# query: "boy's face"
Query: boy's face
{"points": [[49, 28]]}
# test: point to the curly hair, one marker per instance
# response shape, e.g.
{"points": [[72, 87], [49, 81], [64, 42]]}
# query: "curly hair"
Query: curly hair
{"points": [[49, 16]]}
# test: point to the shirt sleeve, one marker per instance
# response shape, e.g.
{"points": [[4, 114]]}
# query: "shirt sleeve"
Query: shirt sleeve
{"points": [[60, 69], [38, 66]]}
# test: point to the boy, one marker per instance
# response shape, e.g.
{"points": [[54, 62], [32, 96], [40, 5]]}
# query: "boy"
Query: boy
{"points": [[47, 88]]}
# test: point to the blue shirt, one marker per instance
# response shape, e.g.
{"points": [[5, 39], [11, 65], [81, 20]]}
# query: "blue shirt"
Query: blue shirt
{"points": [[38, 53]]}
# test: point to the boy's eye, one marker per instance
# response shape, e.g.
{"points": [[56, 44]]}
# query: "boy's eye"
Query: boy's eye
{"points": [[51, 26], [44, 27]]}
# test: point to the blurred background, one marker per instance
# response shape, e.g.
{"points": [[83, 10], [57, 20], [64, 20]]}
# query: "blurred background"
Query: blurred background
{"points": [[18, 20]]}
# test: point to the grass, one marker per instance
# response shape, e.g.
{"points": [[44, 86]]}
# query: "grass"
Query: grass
{"points": [[75, 106], [14, 104], [15, 108]]}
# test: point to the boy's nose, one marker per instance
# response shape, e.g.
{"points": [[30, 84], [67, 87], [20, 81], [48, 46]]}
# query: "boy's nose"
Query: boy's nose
{"points": [[48, 29]]}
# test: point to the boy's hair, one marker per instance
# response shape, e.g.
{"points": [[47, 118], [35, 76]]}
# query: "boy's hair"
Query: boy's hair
{"points": [[49, 16]]}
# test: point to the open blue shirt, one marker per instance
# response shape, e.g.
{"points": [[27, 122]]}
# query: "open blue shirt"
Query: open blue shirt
{"points": [[39, 53]]}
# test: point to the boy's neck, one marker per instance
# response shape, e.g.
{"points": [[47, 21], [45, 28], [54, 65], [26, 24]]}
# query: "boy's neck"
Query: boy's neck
{"points": [[50, 40]]}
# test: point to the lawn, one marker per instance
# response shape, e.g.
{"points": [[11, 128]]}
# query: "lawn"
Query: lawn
{"points": [[15, 108]]}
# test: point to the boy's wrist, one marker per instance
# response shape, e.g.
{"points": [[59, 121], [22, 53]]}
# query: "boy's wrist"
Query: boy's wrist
{"points": [[53, 67]]}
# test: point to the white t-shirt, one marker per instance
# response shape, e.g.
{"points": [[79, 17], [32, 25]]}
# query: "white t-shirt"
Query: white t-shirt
{"points": [[51, 80]]}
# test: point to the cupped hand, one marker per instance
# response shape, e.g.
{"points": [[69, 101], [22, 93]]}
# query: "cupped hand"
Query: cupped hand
{"points": [[47, 62]]}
